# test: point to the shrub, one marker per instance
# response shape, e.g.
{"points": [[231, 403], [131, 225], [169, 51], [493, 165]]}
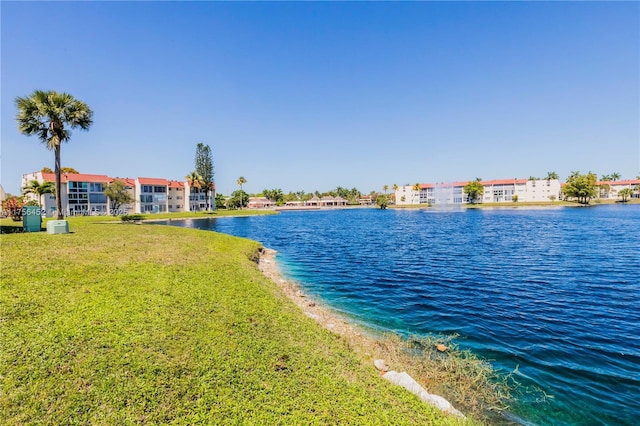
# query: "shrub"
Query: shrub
{"points": [[14, 207], [131, 217]]}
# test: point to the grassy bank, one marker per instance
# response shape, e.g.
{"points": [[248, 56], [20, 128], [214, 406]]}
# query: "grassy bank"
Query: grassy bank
{"points": [[122, 323]]}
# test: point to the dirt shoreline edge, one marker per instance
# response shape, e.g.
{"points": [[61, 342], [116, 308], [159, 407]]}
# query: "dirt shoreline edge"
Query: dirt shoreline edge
{"points": [[321, 314], [358, 339]]}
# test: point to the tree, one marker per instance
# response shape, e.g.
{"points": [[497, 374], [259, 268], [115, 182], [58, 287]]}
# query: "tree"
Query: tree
{"points": [[382, 201], [625, 194], [69, 171], [194, 180], [46, 114], [241, 181], [204, 167], [220, 201], [274, 195], [385, 188], [552, 176], [581, 187], [615, 176], [238, 200], [13, 206], [39, 189], [474, 190], [118, 196], [395, 187], [605, 178], [416, 188], [46, 170]]}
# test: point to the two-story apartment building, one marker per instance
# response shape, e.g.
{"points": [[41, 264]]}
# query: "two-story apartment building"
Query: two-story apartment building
{"points": [[610, 189]]}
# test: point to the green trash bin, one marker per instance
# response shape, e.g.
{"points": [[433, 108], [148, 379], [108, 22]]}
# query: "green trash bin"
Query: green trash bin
{"points": [[31, 219]]}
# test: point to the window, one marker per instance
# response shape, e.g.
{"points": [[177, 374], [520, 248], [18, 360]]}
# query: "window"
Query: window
{"points": [[98, 198], [146, 198], [95, 187], [146, 188], [77, 186], [161, 189]]}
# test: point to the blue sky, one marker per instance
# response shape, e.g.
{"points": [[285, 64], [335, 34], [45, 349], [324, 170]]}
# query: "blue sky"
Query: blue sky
{"points": [[311, 96]]}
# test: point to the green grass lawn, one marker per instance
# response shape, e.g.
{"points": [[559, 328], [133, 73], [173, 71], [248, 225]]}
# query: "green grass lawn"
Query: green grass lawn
{"points": [[144, 324]]}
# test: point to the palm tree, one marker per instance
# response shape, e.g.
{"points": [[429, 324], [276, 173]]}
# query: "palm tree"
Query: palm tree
{"points": [[552, 176], [605, 178], [416, 187], [195, 181], [615, 176], [241, 180], [45, 114], [625, 194], [385, 188], [39, 189]]}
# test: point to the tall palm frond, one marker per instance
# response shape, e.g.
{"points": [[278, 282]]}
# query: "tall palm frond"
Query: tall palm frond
{"points": [[50, 116], [39, 189]]}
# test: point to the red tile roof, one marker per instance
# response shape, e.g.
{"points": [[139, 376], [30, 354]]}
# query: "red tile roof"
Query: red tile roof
{"points": [[127, 181], [152, 181], [504, 182], [76, 177], [514, 181], [176, 184], [619, 182]]}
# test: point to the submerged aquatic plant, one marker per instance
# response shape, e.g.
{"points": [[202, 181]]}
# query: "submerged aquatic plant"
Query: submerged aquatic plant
{"points": [[470, 383]]}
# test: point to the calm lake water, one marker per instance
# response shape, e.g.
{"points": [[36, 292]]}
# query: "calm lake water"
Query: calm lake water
{"points": [[552, 294]]}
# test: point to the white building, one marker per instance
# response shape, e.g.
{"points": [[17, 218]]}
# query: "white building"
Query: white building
{"points": [[610, 189], [83, 194], [495, 191]]}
